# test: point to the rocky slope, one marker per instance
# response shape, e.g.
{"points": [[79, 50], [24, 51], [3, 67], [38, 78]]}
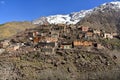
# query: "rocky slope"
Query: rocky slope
{"points": [[105, 17], [64, 65], [28, 62]]}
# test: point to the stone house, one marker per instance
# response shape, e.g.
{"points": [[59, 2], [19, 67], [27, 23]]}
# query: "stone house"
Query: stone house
{"points": [[80, 35], [78, 43], [58, 27], [42, 34], [36, 39], [54, 34], [108, 35], [87, 43], [66, 45], [51, 39], [88, 35], [16, 47], [55, 28], [46, 45], [98, 46], [35, 33], [82, 43], [98, 32], [84, 28], [44, 39], [68, 29], [48, 51]]}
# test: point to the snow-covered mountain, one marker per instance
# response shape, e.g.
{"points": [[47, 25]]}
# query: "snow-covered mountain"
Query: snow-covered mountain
{"points": [[108, 6], [75, 17], [72, 18]]}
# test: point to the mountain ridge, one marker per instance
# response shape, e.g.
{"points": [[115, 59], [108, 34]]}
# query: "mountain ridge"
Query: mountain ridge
{"points": [[75, 17], [105, 17], [71, 18]]}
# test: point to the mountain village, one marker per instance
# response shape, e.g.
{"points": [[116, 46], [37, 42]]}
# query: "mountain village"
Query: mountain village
{"points": [[82, 45], [49, 39]]}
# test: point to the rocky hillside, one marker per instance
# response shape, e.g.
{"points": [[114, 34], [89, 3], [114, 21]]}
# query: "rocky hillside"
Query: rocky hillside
{"points": [[64, 65], [105, 17], [23, 56]]}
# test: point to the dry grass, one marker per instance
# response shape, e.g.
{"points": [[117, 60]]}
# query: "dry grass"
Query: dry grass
{"points": [[9, 29]]}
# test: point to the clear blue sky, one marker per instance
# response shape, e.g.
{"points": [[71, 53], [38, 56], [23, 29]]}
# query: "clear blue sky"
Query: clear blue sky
{"points": [[21, 10]]}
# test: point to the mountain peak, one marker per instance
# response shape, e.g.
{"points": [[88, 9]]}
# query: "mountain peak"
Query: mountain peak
{"points": [[116, 3], [71, 18], [113, 5], [75, 17]]}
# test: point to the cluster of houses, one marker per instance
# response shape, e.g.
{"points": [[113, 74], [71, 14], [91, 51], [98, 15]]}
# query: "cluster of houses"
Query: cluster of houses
{"points": [[48, 39]]}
